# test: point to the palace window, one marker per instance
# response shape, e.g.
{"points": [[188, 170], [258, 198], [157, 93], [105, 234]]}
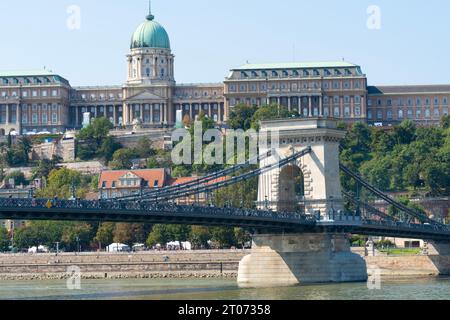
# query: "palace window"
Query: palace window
{"points": [[445, 111], [437, 113], [418, 113], [389, 114], [427, 101], [419, 101], [389, 102], [274, 74], [336, 112], [410, 103], [347, 111], [326, 111], [380, 114], [34, 118], [253, 87], [232, 88], [357, 85], [410, 113], [44, 107], [242, 88], [44, 118], [34, 93], [400, 114], [357, 99], [400, 102], [347, 99], [369, 114], [346, 85], [44, 93], [305, 73], [427, 113], [24, 118], [444, 101], [358, 111], [54, 118], [25, 94], [336, 85], [54, 93], [316, 72]]}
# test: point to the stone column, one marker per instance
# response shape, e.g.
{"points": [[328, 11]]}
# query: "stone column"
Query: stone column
{"points": [[142, 112], [191, 114], [151, 113], [19, 118], [161, 115], [95, 112], [7, 113], [219, 114], [321, 106], [363, 107], [310, 106], [209, 110], [341, 106], [278, 100], [115, 116], [289, 103]]}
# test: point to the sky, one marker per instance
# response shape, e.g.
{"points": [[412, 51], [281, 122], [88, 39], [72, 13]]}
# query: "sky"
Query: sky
{"points": [[395, 42]]}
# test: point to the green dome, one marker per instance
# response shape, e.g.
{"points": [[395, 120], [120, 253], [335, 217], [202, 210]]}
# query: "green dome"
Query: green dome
{"points": [[150, 34]]}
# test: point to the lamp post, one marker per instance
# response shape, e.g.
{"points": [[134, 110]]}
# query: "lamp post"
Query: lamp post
{"points": [[78, 244]]}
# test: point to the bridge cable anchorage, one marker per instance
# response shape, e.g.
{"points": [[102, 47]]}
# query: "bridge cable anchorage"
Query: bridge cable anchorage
{"points": [[202, 180], [202, 187], [410, 212]]}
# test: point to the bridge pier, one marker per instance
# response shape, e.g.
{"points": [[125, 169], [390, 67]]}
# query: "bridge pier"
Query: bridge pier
{"points": [[292, 259]]}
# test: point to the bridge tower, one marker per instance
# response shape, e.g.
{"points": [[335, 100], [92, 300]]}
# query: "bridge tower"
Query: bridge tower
{"points": [[312, 184]]}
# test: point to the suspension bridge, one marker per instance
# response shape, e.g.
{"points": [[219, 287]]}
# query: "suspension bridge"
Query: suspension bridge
{"points": [[287, 229]]}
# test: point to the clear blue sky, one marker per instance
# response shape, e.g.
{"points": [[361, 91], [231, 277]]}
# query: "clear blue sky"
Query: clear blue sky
{"points": [[209, 37]]}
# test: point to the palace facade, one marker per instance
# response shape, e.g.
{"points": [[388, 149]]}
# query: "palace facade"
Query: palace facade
{"points": [[42, 101]]}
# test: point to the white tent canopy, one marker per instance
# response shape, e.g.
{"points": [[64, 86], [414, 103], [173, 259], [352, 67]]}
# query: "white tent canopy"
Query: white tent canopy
{"points": [[117, 247]]}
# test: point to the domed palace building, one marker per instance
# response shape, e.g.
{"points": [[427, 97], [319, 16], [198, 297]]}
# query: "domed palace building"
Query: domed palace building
{"points": [[36, 101]]}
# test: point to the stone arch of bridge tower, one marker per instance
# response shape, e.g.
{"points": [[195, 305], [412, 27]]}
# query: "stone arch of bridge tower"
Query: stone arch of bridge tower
{"points": [[281, 198]]}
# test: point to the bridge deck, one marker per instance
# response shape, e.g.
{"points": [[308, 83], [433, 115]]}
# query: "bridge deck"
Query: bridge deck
{"points": [[167, 213]]}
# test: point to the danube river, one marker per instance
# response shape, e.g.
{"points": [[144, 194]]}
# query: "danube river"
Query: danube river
{"points": [[169, 289]]}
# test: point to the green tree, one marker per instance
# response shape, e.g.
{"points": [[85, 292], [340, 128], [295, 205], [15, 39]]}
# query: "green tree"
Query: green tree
{"points": [[105, 234], [241, 116], [18, 177], [144, 148], [4, 239], [91, 139], [60, 181], [223, 237], [270, 112], [199, 236], [123, 233], [122, 159], [75, 234], [241, 236], [44, 167], [108, 147]]}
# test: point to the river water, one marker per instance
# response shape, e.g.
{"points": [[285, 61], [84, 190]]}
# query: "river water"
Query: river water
{"points": [[194, 289]]}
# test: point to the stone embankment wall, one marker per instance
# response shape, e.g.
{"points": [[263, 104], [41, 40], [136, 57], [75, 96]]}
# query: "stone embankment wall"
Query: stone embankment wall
{"points": [[223, 263]]}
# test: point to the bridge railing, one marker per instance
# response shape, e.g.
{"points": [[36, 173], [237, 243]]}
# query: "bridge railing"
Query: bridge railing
{"points": [[143, 207]]}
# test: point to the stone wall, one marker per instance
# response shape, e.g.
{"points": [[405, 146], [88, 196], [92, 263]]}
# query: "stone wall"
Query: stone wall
{"points": [[122, 265]]}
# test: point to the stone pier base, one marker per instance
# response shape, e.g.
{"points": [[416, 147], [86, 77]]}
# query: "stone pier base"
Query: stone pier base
{"points": [[286, 260]]}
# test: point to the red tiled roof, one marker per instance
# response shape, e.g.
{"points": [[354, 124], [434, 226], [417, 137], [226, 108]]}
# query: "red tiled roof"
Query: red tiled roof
{"points": [[150, 175], [178, 181]]}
